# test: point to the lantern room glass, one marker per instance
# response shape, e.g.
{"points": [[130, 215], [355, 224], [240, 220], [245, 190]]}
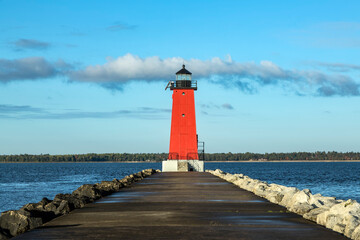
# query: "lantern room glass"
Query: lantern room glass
{"points": [[183, 77]]}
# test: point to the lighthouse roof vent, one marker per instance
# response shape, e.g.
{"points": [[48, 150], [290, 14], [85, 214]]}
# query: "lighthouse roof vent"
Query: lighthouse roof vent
{"points": [[183, 70]]}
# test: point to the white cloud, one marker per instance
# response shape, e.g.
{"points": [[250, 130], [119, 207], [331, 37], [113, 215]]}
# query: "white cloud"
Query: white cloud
{"points": [[245, 76]]}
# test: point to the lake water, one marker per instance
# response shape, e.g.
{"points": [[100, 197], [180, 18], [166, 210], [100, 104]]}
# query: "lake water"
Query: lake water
{"points": [[21, 183]]}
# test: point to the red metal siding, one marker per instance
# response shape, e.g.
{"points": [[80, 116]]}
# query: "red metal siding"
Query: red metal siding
{"points": [[183, 140]]}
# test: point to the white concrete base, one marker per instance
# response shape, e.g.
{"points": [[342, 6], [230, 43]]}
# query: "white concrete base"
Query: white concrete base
{"points": [[182, 166]]}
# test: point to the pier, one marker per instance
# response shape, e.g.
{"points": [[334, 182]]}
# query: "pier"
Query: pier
{"points": [[181, 205]]}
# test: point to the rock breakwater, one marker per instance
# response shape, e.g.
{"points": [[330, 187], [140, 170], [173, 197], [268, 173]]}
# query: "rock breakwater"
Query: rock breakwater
{"points": [[338, 215], [32, 215]]}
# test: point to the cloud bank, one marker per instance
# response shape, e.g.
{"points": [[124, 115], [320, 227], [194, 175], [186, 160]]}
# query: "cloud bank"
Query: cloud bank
{"points": [[244, 76], [8, 111], [30, 69], [247, 77]]}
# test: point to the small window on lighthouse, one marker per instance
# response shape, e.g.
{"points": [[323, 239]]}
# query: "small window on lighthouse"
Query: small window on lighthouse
{"points": [[183, 93], [183, 115]]}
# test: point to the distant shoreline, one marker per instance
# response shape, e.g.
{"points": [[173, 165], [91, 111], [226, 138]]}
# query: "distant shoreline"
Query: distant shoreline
{"points": [[245, 161], [254, 161]]}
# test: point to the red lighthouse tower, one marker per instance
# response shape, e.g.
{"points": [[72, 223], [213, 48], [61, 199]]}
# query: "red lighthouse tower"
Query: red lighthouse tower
{"points": [[183, 151]]}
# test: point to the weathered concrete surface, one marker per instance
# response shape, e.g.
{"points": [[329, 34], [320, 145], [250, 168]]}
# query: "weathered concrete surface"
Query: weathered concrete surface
{"points": [[177, 205]]}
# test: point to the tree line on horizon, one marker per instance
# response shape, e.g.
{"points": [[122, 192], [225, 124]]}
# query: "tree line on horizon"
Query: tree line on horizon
{"points": [[157, 157]]}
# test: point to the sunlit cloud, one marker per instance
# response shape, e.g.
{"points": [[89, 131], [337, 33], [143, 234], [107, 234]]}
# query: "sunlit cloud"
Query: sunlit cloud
{"points": [[247, 77]]}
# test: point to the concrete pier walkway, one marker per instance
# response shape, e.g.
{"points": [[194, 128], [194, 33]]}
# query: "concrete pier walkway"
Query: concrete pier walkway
{"points": [[188, 205]]}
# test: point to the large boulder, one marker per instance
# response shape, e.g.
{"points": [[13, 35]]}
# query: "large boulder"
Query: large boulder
{"points": [[321, 201], [40, 206], [150, 171], [239, 182], [260, 189], [88, 190], [275, 193], [106, 187], [239, 175], [312, 214], [300, 202], [75, 201], [30, 216], [127, 180], [51, 207], [14, 222], [255, 183], [342, 217], [275, 196], [63, 208], [230, 177], [273, 187], [288, 193], [138, 176]]}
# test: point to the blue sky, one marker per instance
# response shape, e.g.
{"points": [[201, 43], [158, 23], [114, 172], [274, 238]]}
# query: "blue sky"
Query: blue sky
{"points": [[89, 76]]}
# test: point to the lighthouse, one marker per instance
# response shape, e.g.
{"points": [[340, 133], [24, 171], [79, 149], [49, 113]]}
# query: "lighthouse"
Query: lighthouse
{"points": [[183, 150]]}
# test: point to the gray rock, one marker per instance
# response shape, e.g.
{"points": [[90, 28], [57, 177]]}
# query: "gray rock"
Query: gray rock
{"points": [[64, 208], [75, 201], [51, 207], [127, 180], [37, 206], [14, 222], [288, 193], [312, 214], [300, 202], [88, 190], [107, 187], [340, 214], [261, 189], [150, 171], [138, 176], [301, 208], [230, 177], [275, 197]]}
